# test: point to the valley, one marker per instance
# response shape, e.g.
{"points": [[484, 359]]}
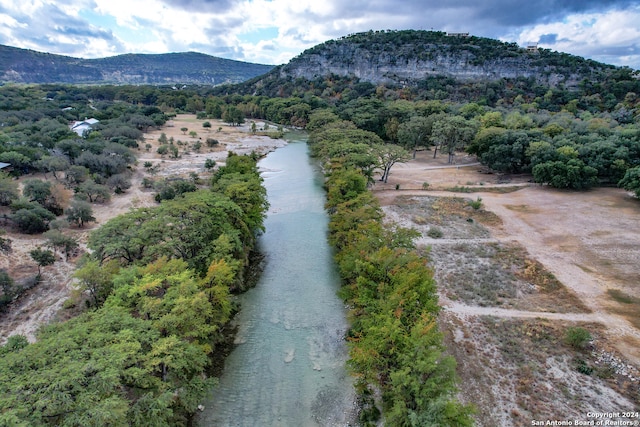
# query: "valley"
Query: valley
{"points": [[505, 329]]}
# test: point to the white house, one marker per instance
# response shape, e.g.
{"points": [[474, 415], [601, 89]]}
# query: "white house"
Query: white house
{"points": [[80, 127]]}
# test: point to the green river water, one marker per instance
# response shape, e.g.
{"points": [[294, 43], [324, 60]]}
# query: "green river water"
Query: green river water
{"points": [[288, 368]]}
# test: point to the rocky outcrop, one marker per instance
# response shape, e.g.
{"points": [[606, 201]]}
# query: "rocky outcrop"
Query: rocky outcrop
{"points": [[406, 57]]}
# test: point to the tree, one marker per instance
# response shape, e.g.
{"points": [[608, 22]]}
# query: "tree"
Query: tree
{"points": [[76, 175], [233, 115], [193, 134], [572, 174], [93, 192], [414, 133], [388, 155], [631, 180], [119, 183], [37, 190], [454, 133], [42, 257], [7, 287], [163, 150], [30, 217], [8, 190], [57, 239], [5, 243], [80, 212], [209, 164], [54, 164], [184, 130], [207, 125], [97, 280]]}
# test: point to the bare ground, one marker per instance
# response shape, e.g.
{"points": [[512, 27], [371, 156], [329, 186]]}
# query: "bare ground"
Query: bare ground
{"points": [[515, 274], [44, 302]]}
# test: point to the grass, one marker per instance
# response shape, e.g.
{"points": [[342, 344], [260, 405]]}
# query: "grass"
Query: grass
{"points": [[483, 189], [628, 306], [621, 297]]}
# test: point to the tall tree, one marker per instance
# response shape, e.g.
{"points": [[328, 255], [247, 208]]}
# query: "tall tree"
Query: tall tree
{"points": [[454, 133], [415, 133], [388, 155], [80, 212]]}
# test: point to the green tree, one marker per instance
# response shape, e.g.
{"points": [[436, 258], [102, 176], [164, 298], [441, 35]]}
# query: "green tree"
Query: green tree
{"points": [[79, 213], [233, 115], [8, 190], [76, 175], [631, 180], [388, 155], [37, 190], [119, 183], [7, 289], [209, 164], [97, 280], [43, 258], [415, 133], [54, 164], [93, 192], [57, 239], [31, 218], [163, 150], [454, 133], [573, 174]]}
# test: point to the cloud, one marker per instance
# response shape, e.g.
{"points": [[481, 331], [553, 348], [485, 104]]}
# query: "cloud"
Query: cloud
{"points": [[273, 31], [612, 37], [199, 5]]}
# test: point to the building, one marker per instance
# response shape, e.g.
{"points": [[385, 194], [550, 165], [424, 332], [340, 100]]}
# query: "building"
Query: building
{"points": [[80, 127], [5, 167]]}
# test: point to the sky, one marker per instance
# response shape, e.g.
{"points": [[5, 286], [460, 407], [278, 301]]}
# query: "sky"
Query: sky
{"points": [[274, 31]]}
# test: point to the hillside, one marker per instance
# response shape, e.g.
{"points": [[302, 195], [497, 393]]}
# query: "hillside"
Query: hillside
{"points": [[411, 58], [27, 66]]}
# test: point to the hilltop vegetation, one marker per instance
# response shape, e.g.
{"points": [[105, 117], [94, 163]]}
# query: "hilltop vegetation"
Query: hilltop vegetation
{"points": [[422, 61]]}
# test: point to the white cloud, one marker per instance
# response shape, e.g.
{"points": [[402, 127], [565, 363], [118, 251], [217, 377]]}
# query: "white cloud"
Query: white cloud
{"points": [[603, 37]]}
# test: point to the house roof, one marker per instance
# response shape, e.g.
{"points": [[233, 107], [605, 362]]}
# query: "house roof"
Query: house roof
{"points": [[4, 165], [86, 122]]}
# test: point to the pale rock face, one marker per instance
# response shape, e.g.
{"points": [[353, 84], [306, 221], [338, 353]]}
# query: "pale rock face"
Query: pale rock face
{"points": [[414, 63]]}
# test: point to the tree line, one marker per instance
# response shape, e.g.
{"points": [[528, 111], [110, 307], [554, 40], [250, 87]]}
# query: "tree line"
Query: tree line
{"points": [[394, 343], [159, 284]]}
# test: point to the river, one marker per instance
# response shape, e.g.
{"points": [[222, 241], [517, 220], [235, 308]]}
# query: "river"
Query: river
{"points": [[288, 368]]}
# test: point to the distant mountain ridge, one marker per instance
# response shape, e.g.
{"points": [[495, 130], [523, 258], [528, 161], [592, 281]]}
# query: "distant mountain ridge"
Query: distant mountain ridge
{"points": [[28, 66]]}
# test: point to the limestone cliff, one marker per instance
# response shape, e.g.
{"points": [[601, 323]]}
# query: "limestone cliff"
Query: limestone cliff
{"points": [[406, 57]]}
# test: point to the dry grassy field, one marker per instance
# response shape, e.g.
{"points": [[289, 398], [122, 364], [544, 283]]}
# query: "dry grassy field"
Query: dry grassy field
{"points": [[519, 268]]}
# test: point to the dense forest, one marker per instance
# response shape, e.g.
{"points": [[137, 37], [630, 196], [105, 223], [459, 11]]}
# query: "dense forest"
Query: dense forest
{"points": [[158, 281]]}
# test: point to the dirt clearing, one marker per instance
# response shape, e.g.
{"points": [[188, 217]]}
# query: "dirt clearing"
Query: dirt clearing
{"points": [[44, 302], [518, 265]]}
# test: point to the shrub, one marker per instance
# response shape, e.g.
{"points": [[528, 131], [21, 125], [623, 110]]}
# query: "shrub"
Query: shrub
{"points": [[476, 204], [577, 337], [435, 233]]}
